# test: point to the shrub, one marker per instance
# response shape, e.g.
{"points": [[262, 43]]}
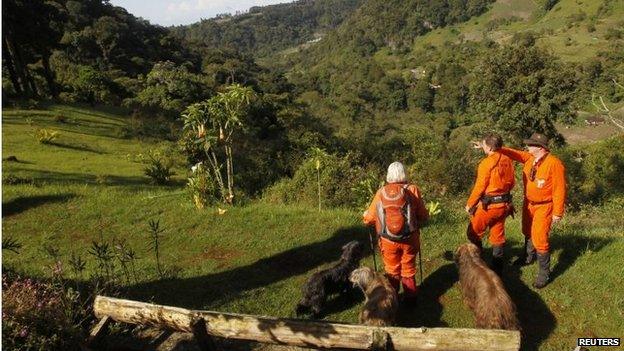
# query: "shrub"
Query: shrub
{"points": [[10, 179], [158, 169], [45, 136], [439, 166], [594, 173], [613, 34], [38, 316], [339, 175], [202, 187], [159, 163]]}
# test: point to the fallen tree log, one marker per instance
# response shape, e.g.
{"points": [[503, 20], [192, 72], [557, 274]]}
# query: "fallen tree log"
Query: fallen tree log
{"points": [[306, 333]]}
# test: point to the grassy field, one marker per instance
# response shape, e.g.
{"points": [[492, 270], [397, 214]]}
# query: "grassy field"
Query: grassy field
{"points": [[565, 30], [87, 187]]}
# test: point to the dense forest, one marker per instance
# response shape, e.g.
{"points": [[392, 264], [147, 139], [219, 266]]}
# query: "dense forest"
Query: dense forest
{"points": [[353, 84]]}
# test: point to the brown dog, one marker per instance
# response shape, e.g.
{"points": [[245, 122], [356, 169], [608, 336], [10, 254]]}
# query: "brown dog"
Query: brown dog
{"points": [[483, 291], [381, 302]]}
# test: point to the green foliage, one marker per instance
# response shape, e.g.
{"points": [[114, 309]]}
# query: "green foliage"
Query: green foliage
{"points": [[338, 175], [437, 165], [91, 85], [268, 29], [158, 169], [522, 90], [365, 189], [39, 315], [202, 187], [155, 237], [212, 124], [594, 173], [45, 136], [169, 88], [11, 244]]}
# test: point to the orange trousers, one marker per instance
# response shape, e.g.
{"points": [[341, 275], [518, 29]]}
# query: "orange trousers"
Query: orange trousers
{"points": [[493, 218], [536, 223], [400, 258]]}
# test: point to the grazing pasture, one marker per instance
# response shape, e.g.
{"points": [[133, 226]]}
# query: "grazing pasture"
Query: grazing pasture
{"points": [[86, 188]]}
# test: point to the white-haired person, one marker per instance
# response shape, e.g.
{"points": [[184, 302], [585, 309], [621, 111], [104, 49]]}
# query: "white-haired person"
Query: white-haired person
{"points": [[396, 211]]}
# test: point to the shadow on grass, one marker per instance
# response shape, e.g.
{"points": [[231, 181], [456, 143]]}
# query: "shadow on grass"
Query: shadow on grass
{"points": [[428, 310], [536, 319], [76, 148], [222, 287], [24, 203], [53, 177], [570, 247]]}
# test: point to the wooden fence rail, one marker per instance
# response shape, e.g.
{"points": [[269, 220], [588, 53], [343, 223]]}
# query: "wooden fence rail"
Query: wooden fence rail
{"points": [[305, 333]]}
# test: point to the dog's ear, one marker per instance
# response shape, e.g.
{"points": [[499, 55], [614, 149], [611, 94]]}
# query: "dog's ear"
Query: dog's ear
{"points": [[458, 253]]}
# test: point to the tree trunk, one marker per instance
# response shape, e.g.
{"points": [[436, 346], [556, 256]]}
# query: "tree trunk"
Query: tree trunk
{"points": [[49, 76], [10, 66], [305, 333], [20, 68], [230, 173]]}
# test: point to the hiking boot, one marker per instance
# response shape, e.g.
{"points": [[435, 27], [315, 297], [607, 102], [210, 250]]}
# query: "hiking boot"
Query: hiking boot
{"points": [[528, 256], [498, 259], [543, 273]]}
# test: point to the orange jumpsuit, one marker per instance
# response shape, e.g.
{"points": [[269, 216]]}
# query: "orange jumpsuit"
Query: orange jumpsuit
{"points": [[399, 257], [495, 176], [544, 195]]}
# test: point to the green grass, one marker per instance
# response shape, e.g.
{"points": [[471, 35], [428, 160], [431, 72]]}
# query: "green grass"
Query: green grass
{"points": [[564, 37], [255, 258]]}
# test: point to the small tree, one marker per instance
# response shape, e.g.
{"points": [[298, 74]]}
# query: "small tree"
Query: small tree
{"points": [[213, 123], [523, 89], [319, 156]]}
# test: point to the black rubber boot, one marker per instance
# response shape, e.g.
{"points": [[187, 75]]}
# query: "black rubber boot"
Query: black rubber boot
{"points": [[498, 259], [544, 270], [528, 256]]}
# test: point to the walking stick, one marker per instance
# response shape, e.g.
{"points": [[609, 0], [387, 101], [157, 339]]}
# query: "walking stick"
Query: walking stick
{"points": [[372, 244]]}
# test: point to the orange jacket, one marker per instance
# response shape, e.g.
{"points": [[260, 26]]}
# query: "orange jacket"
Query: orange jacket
{"points": [[419, 211], [495, 176], [549, 183]]}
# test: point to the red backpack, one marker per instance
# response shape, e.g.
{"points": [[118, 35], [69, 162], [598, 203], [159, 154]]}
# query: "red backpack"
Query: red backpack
{"points": [[394, 212]]}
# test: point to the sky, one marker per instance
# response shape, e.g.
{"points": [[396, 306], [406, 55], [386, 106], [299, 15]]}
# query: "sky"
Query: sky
{"points": [[176, 12]]}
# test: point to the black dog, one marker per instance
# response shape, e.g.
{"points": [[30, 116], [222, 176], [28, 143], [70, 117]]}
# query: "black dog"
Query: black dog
{"points": [[330, 281]]}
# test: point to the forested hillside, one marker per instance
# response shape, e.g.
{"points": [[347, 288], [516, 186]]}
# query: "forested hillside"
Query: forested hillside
{"points": [[382, 75], [265, 30]]}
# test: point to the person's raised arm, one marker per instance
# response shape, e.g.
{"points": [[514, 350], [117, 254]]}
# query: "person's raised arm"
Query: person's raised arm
{"points": [[516, 155]]}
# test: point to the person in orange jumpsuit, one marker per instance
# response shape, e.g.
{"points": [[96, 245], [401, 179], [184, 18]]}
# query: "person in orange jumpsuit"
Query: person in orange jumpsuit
{"points": [[489, 203], [398, 246], [544, 198]]}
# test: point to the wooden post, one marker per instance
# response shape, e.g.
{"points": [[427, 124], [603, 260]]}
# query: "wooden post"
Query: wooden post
{"points": [[307, 333], [98, 331], [204, 341]]}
